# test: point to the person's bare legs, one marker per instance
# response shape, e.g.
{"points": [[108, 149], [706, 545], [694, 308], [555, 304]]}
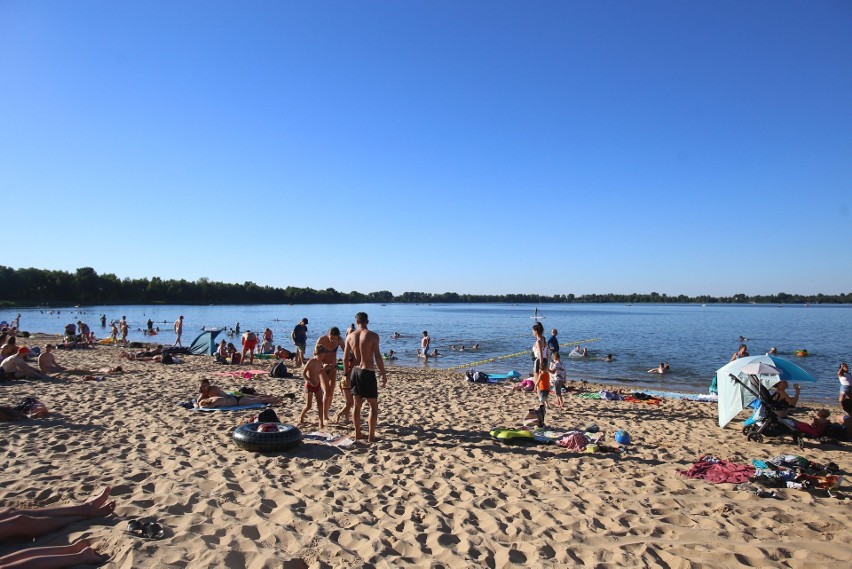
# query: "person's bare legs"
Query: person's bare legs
{"points": [[42, 558], [35, 552], [373, 418], [356, 418], [307, 407], [94, 507], [252, 399], [347, 395], [319, 397], [328, 392]]}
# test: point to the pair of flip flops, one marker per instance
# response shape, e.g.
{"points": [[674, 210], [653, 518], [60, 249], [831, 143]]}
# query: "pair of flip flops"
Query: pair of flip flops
{"points": [[148, 530]]}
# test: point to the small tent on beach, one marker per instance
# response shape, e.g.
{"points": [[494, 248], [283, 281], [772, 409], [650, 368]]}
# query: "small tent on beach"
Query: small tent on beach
{"points": [[205, 343]]}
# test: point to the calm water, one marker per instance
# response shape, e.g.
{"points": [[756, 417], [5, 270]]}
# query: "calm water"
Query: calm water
{"points": [[695, 340]]}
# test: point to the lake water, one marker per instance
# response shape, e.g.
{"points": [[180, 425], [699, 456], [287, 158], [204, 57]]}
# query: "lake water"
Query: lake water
{"points": [[696, 340]]}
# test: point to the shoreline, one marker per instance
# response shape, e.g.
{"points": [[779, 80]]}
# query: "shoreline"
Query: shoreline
{"points": [[645, 384]]}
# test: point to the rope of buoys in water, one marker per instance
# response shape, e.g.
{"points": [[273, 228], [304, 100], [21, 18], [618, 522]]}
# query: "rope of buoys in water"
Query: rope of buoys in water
{"points": [[518, 354]]}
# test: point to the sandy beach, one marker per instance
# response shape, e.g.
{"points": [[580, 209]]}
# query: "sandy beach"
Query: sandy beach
{"points": [[435, 491]]}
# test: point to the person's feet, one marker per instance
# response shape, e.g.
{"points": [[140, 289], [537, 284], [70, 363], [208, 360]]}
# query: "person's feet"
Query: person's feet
{"points": [[79, 546], [97, 505]]}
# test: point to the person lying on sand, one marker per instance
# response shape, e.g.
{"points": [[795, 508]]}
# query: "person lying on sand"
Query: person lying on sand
{"points": [[12, 414], [145, 355], [213, 396]]}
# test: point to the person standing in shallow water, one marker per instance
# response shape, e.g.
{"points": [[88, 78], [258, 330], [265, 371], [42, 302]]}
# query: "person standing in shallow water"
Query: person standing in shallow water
{"points": [[424, 344], [361, 357], [742, 352]]}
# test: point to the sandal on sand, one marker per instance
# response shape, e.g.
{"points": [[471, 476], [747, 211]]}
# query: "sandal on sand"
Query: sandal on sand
{"points": [[148, 530]]}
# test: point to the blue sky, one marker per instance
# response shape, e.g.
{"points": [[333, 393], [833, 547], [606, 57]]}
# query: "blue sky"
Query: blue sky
{"points": [[481, 147]]}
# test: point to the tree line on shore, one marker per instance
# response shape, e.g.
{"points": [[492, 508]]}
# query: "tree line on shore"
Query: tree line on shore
{"points": [[34, 287]]}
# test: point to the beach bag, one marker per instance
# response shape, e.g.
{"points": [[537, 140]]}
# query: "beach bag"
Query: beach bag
{"points": [[268, 416], [279, 370], [474, 376]]}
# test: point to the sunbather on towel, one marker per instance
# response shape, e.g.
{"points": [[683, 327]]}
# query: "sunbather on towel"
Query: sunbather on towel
{"points": [[213, 396]]}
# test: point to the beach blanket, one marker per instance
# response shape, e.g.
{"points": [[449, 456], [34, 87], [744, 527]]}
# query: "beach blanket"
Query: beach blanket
{"points": [[247, 374], [685, 396], [329, 439], [589, 395], [717, 471], [233, 408], [650, 400]]}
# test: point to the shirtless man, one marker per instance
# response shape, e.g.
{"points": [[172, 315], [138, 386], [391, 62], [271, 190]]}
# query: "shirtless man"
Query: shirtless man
{"points": [[249, 340], [424, 345], [212, 396], [360, 357], [15, 367], [327, 346], [316, 378], [47, 361], [299, 335], [178, 331]]}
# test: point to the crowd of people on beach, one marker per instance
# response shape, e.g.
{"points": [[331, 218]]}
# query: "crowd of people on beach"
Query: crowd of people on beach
{"points": [[319, 368]]}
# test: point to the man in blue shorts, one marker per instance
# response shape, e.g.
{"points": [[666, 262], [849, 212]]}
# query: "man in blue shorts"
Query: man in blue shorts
{"points": [[300, 338], [361, 356]]}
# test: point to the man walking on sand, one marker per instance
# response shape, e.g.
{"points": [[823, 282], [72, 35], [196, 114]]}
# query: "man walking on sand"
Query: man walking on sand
{"points": [[178, 331], [360, 357], [299, 335]]}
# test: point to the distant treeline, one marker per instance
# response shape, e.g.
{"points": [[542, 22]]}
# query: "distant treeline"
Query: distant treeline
{"points": [[33, 287]]}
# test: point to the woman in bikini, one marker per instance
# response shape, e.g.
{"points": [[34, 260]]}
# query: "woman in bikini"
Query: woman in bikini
{"points": [[212, 396], [327, 347]]}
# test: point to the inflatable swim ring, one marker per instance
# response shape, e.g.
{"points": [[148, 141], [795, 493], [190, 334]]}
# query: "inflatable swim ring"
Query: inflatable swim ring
{"points": [[286, 437]]}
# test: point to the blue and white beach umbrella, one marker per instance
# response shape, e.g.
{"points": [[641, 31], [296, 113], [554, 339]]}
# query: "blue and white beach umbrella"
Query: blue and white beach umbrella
{"points": [[769, 370]]}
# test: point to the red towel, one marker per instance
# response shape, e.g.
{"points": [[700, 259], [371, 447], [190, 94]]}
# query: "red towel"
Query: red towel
{"points": [[719, 472]]}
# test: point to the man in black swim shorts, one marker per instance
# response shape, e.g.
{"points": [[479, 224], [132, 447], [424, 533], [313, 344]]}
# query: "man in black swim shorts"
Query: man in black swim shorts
{"points": [[361, 356], [364, 383]]}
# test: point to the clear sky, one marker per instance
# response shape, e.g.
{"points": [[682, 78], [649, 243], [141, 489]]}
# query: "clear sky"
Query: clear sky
{"points": [[481, 147]]}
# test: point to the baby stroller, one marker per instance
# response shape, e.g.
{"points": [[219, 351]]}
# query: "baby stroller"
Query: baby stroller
{"points": [[768, 419]]}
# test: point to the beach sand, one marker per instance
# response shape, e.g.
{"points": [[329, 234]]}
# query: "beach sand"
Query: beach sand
{"points": [[434, 491]]}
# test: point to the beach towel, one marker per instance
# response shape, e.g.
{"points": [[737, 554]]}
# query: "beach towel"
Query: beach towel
{"points": [[233, 408], [247, 374], [718, 471], [650, 400], [329, 439], [589, 395], [685, 396]]}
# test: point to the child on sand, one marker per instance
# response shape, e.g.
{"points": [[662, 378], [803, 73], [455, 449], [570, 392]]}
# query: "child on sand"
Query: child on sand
{"points": [[542, 387], [557, 370], [816, 428], [314, 374]]}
